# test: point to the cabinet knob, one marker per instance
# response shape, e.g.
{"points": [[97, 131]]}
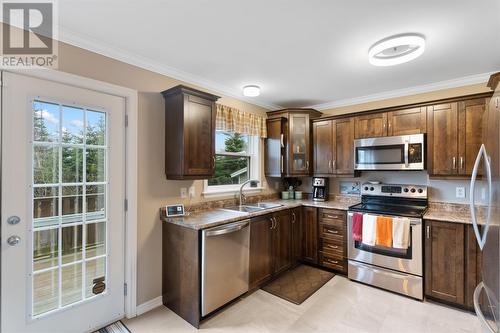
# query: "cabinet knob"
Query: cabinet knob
{"points": [[454, 162]]}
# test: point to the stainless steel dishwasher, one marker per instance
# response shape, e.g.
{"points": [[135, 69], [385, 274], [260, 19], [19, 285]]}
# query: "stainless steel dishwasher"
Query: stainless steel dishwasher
{"points": [[224, 264]]}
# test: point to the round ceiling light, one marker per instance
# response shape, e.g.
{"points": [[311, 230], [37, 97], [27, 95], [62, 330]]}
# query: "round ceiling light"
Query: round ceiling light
{"points": [[396, 50], [251, 90]]}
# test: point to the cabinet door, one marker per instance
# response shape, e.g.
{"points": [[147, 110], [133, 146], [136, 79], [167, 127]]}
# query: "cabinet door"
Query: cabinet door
{"points": [[371, 126], [299, 149], [491, 135], [260, 250], [274, 147], [470, 128], [442, 155], [406, 122], [323, 142], [296, 216], [282, 243], [444, 261], [343, 160], [310, 235], [473, 257], [199, 136]]}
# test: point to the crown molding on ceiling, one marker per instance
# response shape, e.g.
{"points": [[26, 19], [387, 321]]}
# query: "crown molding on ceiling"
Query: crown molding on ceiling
{"points": [[453, 83], [88, 43]]}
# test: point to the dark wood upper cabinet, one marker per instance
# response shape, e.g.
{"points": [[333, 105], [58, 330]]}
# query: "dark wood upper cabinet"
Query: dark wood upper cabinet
{"points": [[445, 261], [296, 155], [371, 125], [492, 124], [323, 147], [274, 162], [189, 133], [310, 234], [471, 114], [333, 147], [343, 155], [261, 250], [407, 122], [455, 134]]}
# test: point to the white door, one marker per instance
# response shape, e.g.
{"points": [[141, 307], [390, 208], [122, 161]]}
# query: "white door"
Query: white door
{"points": [[62, 207]]}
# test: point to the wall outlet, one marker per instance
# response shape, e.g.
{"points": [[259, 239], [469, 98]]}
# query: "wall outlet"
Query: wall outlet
{"points": [[276, 185], [460, 192], [192, 191], [483, 194], [184, 193]]}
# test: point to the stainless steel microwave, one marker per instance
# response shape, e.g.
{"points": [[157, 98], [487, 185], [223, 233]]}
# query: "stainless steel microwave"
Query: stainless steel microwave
{"points": [[402, 152]]}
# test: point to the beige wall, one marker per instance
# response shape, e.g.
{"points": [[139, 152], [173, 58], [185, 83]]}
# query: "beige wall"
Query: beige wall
{"points": [[154, 190], [418, 98]]}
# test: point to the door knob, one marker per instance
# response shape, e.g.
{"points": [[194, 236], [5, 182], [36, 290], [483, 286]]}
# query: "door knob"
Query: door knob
{"points": [[13, 240], [13, 220]]}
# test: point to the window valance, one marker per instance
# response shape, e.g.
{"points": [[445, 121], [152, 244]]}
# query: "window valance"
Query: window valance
{"points": [[230, 119]]}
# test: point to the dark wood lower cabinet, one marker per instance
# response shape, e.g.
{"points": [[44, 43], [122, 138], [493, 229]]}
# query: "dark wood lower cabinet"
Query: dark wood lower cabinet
{"points": [[452, 263], [310, 235], [282, 242], [333, 239], [296, 217], [260, 250]]}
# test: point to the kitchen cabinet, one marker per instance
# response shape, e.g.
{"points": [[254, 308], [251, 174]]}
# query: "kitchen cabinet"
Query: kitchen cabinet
{"points": [[370, 125], [310, 235], [458, 126], [407, 121], [295, 146], [333, 147], [444, 261], [261, 238], [296, 216], [189, 133], [270, 246], [492, 124], [333, 239], [452, 263]]}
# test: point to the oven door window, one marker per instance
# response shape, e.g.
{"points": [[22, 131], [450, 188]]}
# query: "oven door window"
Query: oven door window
{"points": [[393, 154], [386, 251]]}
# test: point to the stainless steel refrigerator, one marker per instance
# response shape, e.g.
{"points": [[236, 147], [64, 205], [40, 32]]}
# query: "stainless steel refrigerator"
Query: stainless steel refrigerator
{"points": [[487, 224]]}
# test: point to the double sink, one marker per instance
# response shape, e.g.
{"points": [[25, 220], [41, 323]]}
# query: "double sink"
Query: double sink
{"points": [[253, 207]]}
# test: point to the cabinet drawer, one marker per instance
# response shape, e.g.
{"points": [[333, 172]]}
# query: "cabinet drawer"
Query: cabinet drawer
{"points": [[333, 262], [333, 247], [332, 232], [332, 215]]}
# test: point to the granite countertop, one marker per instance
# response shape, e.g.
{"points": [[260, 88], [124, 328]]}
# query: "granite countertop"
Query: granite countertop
{"points": [[214, 217], [458, 213]]}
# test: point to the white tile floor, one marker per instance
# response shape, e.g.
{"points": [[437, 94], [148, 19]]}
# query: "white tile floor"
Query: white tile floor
{"points": [[339, 306]]}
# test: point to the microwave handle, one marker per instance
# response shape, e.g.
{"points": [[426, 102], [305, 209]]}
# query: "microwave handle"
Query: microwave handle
{"points": [[407, 148]]}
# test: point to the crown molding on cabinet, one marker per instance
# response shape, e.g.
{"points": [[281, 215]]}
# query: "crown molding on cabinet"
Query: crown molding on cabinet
{"points": [[88, 43], [454, 83]]}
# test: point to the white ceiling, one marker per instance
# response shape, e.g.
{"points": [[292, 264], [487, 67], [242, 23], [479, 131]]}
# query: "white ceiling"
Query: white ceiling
{"points": [[302, 53]]}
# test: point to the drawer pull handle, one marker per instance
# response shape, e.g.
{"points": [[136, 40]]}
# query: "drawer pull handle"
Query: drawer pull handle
{"points": [[332, 246], [335, 262], [333, 216], [332, 231]]}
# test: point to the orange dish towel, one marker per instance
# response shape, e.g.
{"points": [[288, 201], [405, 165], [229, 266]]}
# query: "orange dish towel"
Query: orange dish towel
{"points": [[384, 231]]}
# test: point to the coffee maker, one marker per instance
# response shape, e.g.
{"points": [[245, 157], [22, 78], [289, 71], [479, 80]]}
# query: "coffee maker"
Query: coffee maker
{"points": [[320, 189]]}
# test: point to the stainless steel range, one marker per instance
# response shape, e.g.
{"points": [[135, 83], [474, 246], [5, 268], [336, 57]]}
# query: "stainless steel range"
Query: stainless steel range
{"points": [[396, 268]]}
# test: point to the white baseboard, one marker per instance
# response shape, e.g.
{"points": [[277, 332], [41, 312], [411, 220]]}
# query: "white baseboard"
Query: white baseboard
{"points": [[149, 305]]}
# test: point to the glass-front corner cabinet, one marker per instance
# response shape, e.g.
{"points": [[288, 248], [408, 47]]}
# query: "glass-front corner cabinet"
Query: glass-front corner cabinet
{"points": [[297, 152]]}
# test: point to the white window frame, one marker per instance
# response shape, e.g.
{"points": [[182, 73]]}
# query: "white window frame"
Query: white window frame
{"points": [[254, 152]]}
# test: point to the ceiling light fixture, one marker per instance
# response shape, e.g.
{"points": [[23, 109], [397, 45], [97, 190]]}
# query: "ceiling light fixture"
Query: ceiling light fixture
{"points": [[396, 50], [251, 90]]}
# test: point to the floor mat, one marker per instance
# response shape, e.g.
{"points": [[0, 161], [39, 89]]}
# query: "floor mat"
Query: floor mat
{"points": [[299, 283], [116, 327]]}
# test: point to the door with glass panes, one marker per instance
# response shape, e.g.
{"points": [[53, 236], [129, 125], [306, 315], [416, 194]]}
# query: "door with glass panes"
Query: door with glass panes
{"points": [[62, 206]]}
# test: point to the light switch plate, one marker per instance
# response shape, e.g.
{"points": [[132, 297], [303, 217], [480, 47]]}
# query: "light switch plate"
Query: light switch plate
{"points": [[460, 192], [191, 191], [184, 193]]}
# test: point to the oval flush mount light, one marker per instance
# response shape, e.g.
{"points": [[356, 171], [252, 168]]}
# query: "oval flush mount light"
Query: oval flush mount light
{"points": [[396, 50], [251, 90]]}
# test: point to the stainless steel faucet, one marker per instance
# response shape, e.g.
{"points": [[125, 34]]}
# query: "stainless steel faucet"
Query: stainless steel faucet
{"points": [[242, 196]]}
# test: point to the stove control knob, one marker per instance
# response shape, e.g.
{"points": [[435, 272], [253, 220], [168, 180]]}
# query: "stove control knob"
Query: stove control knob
{"points": [[372, 188], [366, 188], [406, 190], [412, 190], [420, 190]]}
